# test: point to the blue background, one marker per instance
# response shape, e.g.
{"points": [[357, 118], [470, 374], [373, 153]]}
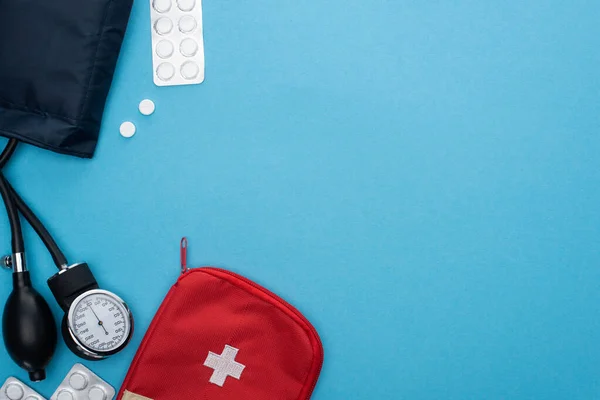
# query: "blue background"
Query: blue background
{"points": [[421, 179]]}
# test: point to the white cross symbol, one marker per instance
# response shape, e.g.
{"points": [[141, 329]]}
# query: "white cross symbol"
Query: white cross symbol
{"points": [[224, 365]]}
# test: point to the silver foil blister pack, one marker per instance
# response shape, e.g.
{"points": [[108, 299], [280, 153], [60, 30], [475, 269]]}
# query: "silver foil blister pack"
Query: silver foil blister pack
{"points": [[82, 384], [177, 42], [14, 389]]}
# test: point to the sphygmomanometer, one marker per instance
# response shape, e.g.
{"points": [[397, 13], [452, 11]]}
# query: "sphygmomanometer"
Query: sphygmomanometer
{"points": [[57, 61]]}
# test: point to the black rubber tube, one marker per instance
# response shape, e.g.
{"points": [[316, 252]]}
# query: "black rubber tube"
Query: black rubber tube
{"points": [[57, 255], [18, 245], [8, 152]]}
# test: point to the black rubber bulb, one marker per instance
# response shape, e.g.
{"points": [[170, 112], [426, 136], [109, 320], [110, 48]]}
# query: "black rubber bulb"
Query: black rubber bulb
{"points": [[28, 328]]}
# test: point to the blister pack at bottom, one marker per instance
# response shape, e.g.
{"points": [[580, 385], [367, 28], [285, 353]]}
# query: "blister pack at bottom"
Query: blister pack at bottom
{"points": [[82, 384], [14, 389]]}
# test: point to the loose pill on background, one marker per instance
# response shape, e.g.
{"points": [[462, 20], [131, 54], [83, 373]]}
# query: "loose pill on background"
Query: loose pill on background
{"points": [[147, 107], [127, 129]]}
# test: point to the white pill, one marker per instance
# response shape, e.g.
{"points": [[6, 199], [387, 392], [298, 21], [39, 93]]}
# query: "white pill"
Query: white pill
{"points": [[96, 394], [188, 47], [78, 381], [147, 107], [32, 398], [65, 395], [163, 25], [165, 71], [14, 391], [161, 6], [186, 5], [164, 49], [127, 129], [187, 24], [189, 70]]}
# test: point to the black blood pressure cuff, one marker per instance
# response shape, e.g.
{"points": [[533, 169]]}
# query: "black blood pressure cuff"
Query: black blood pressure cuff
{"points": [[57, 60]]}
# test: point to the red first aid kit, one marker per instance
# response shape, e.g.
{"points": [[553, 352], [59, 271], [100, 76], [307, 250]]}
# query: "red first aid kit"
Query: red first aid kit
{"points": [[217, 336]]}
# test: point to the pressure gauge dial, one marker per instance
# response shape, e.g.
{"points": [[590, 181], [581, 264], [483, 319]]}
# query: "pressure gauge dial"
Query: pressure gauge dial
{"points": [[99, 323]]}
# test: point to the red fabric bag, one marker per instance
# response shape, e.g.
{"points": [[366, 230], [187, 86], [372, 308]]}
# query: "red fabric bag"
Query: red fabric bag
{"points": [[217, 336]]}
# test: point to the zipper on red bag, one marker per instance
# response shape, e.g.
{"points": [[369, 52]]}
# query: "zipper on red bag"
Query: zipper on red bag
{"points": [[186, 270]]}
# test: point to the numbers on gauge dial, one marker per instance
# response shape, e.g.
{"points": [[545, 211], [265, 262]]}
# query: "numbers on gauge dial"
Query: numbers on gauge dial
{"points": [[100, 322]]}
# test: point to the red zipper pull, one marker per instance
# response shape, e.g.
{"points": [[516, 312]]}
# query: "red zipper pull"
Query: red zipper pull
{"points": [[183, 251]]}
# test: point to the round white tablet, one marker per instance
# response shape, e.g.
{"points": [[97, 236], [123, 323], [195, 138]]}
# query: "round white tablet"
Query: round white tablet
{"points": [[32, 398], [163, 25], [164, 49], [78, 381], [65, 395], [147, 107], [188, 47], [186, 5], [14, 391], [127, 129], [189, 70], [187, 24], [96, 394], [161, 6], [165, 71]]}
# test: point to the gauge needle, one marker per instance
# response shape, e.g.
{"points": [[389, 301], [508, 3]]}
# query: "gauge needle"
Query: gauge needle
{"points": [[99, 322]]}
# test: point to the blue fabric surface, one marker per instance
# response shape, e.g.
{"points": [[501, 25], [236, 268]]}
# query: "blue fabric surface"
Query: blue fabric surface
{"points": [[421, 179]]}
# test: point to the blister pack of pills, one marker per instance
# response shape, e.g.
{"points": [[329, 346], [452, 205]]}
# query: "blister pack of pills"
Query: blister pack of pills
{"points": [[177, 42], [82, 384], [14, 389]]}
